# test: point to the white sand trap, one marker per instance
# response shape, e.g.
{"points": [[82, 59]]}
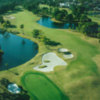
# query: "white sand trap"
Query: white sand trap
{"points": [[66, 53], [69, 56], [10, 17], [54, 61], [13, 88], [62, 50]]}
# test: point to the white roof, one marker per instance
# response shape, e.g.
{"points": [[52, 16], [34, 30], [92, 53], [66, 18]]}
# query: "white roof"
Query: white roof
{"points": [[13, 88]]}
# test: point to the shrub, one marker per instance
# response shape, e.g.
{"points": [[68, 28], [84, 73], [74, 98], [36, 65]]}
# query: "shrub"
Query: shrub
{"points": [[36, 33], [47, 41], [6, 95], [90, 28]]}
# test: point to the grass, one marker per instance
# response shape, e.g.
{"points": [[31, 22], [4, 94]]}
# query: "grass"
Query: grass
{"points": [[42, 66], [41, 88], [80, 79], [47, 61]]}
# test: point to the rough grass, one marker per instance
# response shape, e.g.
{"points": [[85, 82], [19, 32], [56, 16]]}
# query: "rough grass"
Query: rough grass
{"points": [[41, 88], [80, 79]]}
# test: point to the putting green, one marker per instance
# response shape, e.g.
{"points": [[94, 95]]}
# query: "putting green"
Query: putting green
{"points": [[41, 88]]}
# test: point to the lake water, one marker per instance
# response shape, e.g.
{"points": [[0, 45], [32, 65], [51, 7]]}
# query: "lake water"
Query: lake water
{"points": [[17, 50], [47, 22]]}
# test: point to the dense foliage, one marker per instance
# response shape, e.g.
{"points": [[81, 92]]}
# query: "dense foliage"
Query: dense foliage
{"points": [[78, 17], [6, 95], [6, 5], [39, 35]]}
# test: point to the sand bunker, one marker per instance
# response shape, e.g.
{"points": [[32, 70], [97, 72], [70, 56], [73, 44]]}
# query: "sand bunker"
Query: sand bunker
{"points": [[66, 53], [68, 56], [10, 17], [49, 61], [62, 50]]}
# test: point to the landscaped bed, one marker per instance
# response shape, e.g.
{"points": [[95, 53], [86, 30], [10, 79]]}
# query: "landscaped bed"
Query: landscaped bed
{"points": [[41, 88]]}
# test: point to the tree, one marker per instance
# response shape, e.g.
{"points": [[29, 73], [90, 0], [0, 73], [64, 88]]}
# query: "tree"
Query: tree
{"points": [[69, 18], [36, 33], [84, 18], [60, 15], [90, 28], [5, 25], [78, 11], [3, 30], [1, 20], [1, 53], [22, 27], [8, 23], [56, 12], [44, 11], [64, 12], [47, 41], [98, 35]]}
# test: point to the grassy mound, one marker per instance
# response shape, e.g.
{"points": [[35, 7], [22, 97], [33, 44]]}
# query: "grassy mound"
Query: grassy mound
{"points": [[41, 88]]}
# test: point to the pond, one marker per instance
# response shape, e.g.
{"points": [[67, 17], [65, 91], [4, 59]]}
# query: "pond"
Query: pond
{"points": [[47, 22], [17, 50]]}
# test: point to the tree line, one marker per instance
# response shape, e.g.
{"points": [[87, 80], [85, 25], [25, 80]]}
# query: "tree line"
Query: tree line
{"points": [[78, 17]]}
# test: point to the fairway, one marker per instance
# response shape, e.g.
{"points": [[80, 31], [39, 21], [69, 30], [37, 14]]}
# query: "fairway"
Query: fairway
{"points": [[41, 88]]}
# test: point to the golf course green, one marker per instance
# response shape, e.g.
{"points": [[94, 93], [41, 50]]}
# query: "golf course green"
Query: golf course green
{"points": [[41, 88]]}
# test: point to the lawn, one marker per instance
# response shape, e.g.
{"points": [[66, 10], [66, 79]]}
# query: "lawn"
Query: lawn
{"points": [[41, 88], [80, 80]]}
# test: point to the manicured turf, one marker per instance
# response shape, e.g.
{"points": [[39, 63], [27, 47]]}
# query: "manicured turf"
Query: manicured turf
{"points": [[41, 88]]}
